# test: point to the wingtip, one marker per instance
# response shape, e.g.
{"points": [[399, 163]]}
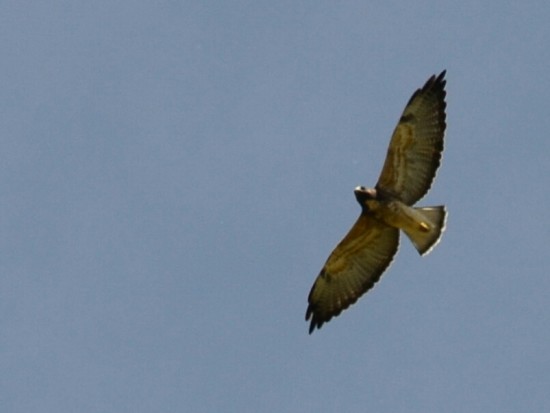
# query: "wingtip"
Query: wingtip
{"points": [[437, 80], [434, 83], [315, 323]]}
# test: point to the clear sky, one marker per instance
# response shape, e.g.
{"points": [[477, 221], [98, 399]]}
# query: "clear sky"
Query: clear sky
{"points": [[174, 174]]}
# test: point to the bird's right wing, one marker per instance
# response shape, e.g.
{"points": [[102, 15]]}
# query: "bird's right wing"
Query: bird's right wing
{"points": [[353, 268]]}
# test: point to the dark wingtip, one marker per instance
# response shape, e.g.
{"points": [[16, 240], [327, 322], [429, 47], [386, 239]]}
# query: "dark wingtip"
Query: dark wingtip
{"points": [[438, 83], [315, 323], [440, 80]]}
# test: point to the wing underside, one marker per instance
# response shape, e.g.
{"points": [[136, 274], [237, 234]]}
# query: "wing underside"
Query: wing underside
{"points": [[415, 149], [352, 269]]}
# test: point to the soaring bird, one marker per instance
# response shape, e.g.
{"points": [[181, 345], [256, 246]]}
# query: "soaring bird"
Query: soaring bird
{"points": [[413, 156]]}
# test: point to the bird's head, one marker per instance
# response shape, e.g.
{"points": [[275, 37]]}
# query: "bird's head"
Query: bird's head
{"points": [[363, 194]]}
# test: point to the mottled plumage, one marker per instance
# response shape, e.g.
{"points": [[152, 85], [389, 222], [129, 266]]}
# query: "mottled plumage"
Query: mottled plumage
{"points": [[359, 260]]}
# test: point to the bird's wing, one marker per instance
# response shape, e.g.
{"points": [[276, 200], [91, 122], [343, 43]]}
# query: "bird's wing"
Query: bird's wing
{"points": [[416, 145], [354, 266]]}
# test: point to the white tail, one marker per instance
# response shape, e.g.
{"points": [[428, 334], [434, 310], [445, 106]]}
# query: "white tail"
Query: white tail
{"points": [[426, 235]]}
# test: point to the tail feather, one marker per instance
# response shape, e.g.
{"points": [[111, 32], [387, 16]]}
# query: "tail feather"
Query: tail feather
{"points": [[427, 234]]}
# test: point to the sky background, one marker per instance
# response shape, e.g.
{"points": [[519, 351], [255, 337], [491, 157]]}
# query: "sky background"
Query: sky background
{"points": [[174, 174]]}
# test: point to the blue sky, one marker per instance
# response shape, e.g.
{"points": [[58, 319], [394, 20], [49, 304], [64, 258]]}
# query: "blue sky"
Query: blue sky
{"points": [[174, 175]]}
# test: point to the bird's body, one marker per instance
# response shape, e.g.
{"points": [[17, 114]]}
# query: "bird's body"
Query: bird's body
{"points": [[413, 157], [423, 226]]}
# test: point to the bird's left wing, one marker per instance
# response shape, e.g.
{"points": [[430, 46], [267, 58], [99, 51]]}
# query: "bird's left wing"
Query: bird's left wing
{"points": [[353, 268], [416, 145]]}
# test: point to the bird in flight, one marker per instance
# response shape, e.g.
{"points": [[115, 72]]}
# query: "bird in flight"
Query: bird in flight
{"points": [[367, 250]]}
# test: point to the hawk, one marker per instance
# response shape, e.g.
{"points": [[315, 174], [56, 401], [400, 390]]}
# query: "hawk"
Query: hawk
{"points": [[367, 250]]}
